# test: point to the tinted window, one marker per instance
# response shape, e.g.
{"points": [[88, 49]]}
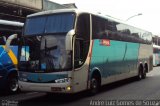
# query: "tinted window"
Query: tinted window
{"points": [[156, 40], [99, 26], [108, 29], [6, 31], [59, 23], [56, 23], [2, 40], [82, 39], [35, 25]]}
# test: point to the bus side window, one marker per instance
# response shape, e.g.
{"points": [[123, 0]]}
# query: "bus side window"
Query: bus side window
{"points": [[14, 42], [2, 40], [82, 39]]}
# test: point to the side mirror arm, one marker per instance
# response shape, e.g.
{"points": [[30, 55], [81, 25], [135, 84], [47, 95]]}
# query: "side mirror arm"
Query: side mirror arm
{"points": [[8, 42]]}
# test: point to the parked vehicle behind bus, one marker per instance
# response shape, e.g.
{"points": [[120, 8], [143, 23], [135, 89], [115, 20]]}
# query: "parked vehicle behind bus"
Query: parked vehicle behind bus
{"points": [[71, 51], [8, 55], [156, 55]]}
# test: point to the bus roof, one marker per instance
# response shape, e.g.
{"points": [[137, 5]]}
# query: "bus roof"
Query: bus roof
{"points": [[11, 23], [52, 11], [70, 10], [78, 11]]}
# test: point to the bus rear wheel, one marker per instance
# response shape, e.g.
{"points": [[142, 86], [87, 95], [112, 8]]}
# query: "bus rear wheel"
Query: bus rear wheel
{"points": [[144, 72], [144, 75]]}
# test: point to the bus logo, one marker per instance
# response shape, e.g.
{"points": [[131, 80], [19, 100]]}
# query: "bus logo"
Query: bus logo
{"points": [[105, 42]]}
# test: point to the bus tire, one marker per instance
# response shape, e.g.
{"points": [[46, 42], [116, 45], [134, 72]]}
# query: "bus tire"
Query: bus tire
{"points": [[144, 75], [13, 84], [145, 71], [95, 85], [140, 72]]}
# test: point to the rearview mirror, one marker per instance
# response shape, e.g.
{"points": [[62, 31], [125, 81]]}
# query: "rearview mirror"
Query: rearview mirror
{"points": [[69, 40], [8, 42]]}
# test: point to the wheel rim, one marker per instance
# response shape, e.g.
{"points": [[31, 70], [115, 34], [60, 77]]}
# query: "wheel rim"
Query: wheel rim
{"points": [[13, 85], [94, 85]]}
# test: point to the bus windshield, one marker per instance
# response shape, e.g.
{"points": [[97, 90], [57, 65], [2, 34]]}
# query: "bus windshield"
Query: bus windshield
{"points": [[45, 53], [55, 23], [53, 53], [44, 43]]}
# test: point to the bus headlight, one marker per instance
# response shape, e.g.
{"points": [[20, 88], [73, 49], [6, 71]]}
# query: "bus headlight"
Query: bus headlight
{"points": [[68, 88], [63, 80]]}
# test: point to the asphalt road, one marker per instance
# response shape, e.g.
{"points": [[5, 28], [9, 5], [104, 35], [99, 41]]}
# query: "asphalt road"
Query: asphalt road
{"points": [[124, 93]]}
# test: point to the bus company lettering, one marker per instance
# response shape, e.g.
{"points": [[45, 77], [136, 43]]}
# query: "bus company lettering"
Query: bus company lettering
{"points": [[105, 42]]}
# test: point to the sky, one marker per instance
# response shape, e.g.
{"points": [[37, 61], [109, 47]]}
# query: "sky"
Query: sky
{"points": [[123, 9]]}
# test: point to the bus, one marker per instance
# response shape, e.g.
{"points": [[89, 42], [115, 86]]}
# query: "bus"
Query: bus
{"points": [[8, 57], [156, 55], [69, 51]]}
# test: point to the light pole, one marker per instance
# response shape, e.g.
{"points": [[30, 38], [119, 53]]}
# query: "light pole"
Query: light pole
{"points": [[133, 16]]}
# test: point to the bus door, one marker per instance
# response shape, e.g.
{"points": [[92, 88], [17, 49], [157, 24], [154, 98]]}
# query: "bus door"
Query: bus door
{"points": [[81, 48]]}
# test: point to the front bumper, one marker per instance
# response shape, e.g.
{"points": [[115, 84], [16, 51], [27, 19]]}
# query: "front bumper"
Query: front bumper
{"points": [[46, 87]]}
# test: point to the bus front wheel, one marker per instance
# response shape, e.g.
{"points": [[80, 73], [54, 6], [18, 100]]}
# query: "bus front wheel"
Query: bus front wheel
{"points": [[94, 85], [13, 84]]}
